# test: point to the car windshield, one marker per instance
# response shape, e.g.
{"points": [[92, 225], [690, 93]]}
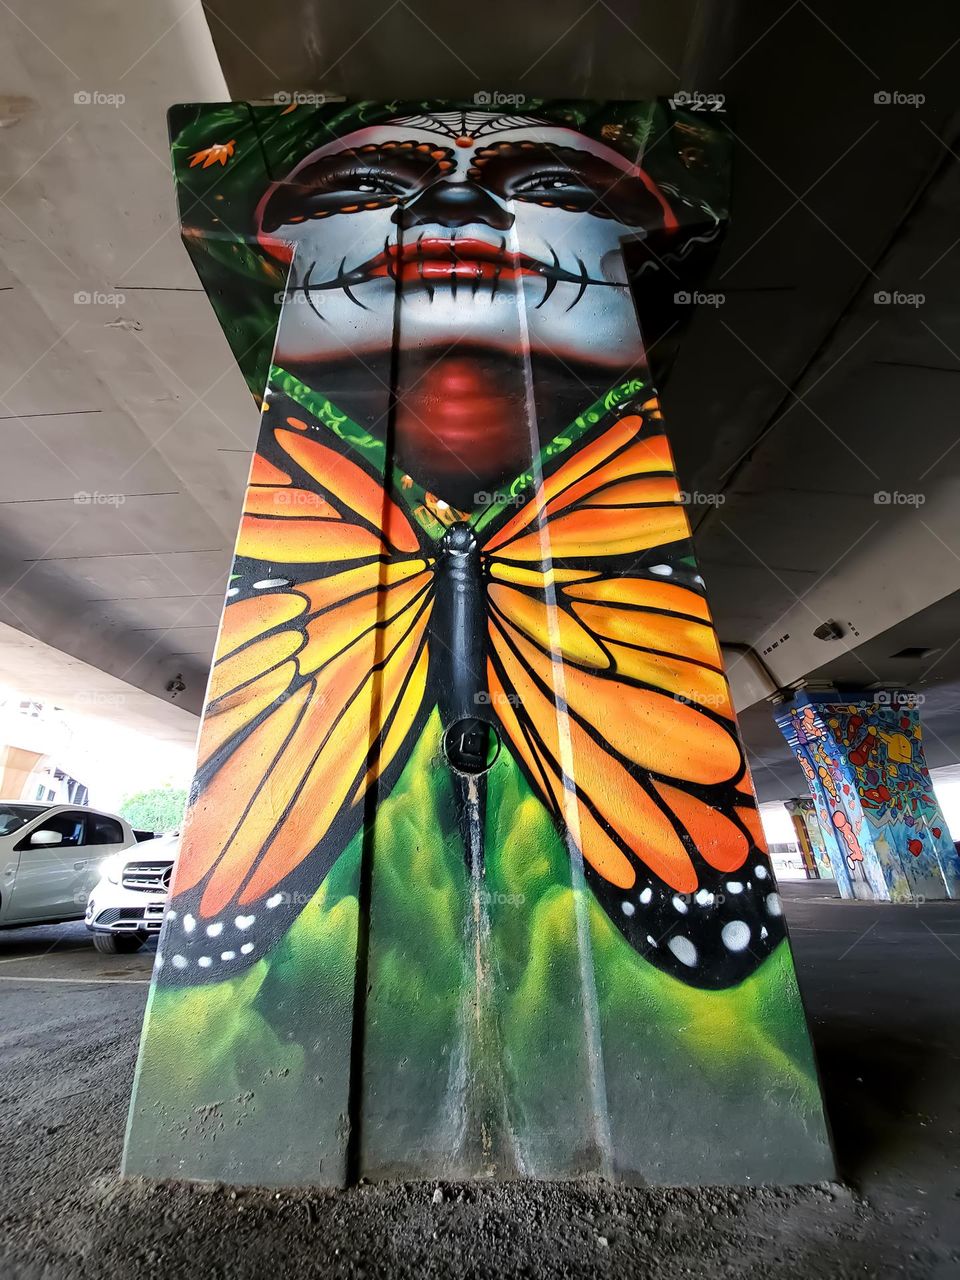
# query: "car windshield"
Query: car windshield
{"points": [[13, 816]]}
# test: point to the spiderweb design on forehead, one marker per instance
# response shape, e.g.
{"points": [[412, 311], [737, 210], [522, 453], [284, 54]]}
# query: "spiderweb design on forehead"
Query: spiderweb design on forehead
{"points": [[459, 124]]}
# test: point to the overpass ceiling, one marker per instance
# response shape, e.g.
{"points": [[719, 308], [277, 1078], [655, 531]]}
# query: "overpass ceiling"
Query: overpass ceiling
{"points": [[795, 401], [126, 430], [425, 49], [801, 398]]}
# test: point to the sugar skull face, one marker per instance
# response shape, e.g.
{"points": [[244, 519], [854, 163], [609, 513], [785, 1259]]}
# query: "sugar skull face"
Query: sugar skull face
{"points": [[464, 212], [486, 250]]}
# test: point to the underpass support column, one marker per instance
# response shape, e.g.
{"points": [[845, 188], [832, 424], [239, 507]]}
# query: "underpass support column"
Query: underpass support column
{"points": [[812, 848], [819, 835], [882, 827], [472, 882]]}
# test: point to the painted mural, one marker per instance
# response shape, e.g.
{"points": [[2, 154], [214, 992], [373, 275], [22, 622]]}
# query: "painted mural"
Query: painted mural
{"points": [[865, 765], [472, 879], [816, 859]]}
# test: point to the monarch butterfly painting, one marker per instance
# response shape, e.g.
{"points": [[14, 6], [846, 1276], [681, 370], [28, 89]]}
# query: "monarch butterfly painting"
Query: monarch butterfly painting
{"points": [[472, 881], [569, 627]]}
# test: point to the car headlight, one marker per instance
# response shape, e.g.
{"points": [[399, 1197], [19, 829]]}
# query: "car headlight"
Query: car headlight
{"points": [[112, 868]]}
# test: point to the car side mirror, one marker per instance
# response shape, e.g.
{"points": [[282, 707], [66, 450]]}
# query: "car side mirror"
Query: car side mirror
{"points": [[46, 838]]}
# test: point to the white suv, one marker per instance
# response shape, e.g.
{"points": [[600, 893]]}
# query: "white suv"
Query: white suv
{"points": [[50, 859], [129, 899]]}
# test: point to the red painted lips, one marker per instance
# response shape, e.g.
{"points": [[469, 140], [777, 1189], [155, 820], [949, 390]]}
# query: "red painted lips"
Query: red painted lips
{"points": [[436, 261]]}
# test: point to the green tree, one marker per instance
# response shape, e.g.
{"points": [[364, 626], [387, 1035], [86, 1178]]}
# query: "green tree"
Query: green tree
{"points": [[158, 810]]}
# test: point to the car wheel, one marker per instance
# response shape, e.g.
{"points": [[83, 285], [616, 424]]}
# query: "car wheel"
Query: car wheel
{"points": [[112, 944]]}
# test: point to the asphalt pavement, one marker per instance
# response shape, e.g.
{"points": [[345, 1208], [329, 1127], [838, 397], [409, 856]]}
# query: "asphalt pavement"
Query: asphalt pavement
{"points": [[882, 987]]}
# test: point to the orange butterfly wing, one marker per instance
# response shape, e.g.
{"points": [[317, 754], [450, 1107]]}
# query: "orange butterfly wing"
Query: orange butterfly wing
{"points": [[316, 689], [608, 681]]}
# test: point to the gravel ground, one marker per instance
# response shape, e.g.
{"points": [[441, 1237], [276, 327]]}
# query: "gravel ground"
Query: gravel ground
{"points": [[882, 989]]}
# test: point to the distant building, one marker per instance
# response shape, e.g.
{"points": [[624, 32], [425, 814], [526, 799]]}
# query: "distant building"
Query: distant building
{"points": [[34, 738]]}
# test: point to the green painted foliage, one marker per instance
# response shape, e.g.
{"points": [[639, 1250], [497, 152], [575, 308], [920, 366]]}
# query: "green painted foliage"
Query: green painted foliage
{"points": [[644, 1044]]}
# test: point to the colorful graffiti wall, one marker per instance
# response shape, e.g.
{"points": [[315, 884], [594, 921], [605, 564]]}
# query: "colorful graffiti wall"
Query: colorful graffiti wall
{"points": [[472, 881], [881, 823]]}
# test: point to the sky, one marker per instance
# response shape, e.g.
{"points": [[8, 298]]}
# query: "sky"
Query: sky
{"points": [[116, 763]]}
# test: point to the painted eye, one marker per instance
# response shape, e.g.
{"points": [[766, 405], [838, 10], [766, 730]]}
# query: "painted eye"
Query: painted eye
{"points": [[365, 182], [551, 182]]}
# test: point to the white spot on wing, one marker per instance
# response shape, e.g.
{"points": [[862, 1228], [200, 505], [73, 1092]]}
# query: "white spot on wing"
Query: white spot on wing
{"points": [[246, 948], [734, 886], [274, 901], [774, 905], [627, 908], [179, 962], [214, 930], [735, 935], [679, 904], [189, 924], [646, 895], [684, 950], [244, 922]]}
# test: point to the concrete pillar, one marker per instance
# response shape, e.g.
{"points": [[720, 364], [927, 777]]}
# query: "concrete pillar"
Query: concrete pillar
{"points": [[883, 830], [812, 849], [812, 825], [472, 881]]}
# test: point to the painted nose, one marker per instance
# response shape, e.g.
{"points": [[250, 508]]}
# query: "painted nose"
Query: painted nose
{"points": [[453, 204]]}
